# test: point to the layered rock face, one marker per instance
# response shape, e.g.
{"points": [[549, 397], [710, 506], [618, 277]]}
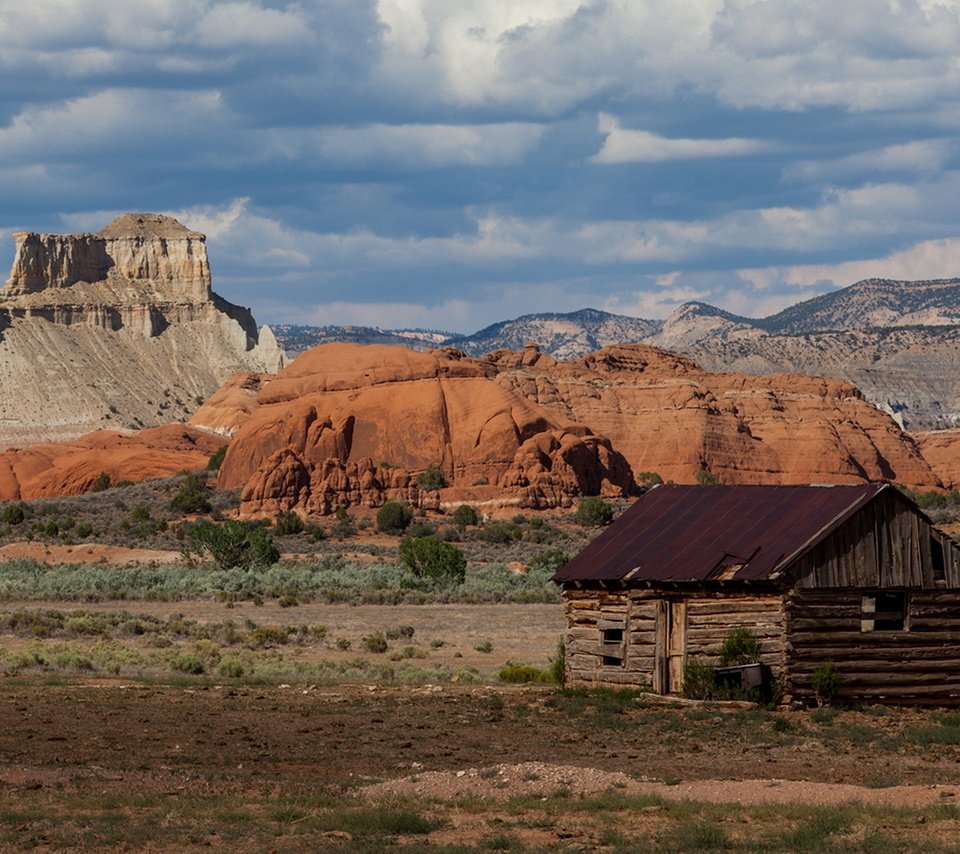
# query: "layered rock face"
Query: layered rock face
{"points": [[666, 414], [71, 468], [116, 329], [348, 424], [941, 448]]}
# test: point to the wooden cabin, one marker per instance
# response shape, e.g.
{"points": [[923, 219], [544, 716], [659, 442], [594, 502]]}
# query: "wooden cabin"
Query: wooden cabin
{"points": [[854, 575]]}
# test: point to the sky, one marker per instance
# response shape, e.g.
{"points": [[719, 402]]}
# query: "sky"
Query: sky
{"points": [[447, 164]]}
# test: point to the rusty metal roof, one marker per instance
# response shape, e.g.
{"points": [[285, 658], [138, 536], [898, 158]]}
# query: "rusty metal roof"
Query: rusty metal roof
{"points": [[697, 533]]}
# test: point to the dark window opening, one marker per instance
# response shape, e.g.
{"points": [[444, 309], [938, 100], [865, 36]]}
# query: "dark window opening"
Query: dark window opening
{"points": [[613, 653], [613, 635], [884, 612], [937, 557]]}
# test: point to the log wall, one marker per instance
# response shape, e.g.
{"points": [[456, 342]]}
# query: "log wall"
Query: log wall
{"points": [[918, 665], [710, 618], [887, 544]]}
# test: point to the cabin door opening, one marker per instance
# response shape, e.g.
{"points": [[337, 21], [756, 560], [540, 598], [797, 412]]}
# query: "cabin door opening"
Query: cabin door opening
{"points": [[671, 646]]}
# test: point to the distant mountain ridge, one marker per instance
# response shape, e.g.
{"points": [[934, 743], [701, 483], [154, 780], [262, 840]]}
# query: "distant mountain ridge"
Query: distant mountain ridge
{"points": [[898, 340]]}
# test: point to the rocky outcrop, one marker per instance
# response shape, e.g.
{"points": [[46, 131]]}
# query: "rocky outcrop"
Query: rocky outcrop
{"points": [[71, 468], [941, 449], [666, 414], [116, 329], [347, 424]]}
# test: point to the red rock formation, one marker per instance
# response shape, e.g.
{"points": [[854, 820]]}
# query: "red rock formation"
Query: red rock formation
{"points": [[941, 448], [348, 424], [70, 468], [666, 414]]}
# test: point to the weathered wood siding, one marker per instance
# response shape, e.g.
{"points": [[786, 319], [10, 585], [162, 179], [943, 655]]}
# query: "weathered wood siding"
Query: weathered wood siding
{"points": [[887, 544], [919, 665], [710, 618]]}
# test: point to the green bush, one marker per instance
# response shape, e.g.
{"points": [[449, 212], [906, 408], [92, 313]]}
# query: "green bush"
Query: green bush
{"points": [[84, 530], [234, 544], [648, 479], [231, 668], [705, 477], [465, 515], [187, 662], [698, 681], [826, 683], [741, 646], [549, 561], [191, 497], [429, 558], [13, 514], [593, 512], [214, 463], [500, 533], [523, 673], [432, 478], [375, 643], [394, 517], [287, 523], [343, 525], [558, 664], [101, 482]]}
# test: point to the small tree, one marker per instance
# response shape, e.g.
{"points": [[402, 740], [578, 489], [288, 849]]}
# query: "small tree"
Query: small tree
{"points": [[234, 544], [465, 515], [825, 683], [649, 479], [394, 517], [432, 559], [705, 477], [740, 647], [593, 512], [191, 497], [432, 478], [13, 513], [101, 482], [214, 463], [286, 523]]}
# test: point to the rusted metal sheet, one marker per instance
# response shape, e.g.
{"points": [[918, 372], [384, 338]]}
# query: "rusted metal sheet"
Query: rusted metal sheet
{"points": [[696, 533]]}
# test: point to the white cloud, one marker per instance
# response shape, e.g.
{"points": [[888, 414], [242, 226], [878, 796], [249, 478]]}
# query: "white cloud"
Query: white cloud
{"points": [[653, 304], [928, 259], [412, 145], [637, 146], [920, 156], [238, 24]]}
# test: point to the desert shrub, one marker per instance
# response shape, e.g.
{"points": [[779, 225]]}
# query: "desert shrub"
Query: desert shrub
{"points": [[421, 529], [465, 515], [191, 496], [741, 646], [187, 662], [234, 544], [500, 533], [484, 646], [231, 668], [214, 463], [343, 644], [593, 512], [826, 683], [287, 523], [394, 517], [101, 482], [432, 477], [343, 525], [12, 514], [558, 664], [375, 643], [548, 561], [698, 681], [399, 632], [84, 530], [523, 673], [429, 558], [648, 479], [705, 477]]}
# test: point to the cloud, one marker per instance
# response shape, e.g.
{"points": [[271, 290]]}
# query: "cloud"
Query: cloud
{"points": [[921, 156], [413, 145], [928, 259], [637, 146], [232, 24]]}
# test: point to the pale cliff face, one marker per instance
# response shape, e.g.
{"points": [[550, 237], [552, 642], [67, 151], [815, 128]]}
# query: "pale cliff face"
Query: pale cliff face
{"points": [[118, 329], [137, 248]]}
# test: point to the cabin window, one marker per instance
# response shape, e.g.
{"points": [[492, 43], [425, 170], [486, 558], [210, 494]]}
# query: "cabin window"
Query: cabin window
{"points": [[612, 643], [884, 612], [937, 559]]}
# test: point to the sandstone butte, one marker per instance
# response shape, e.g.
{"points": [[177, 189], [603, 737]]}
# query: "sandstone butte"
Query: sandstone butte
{"points": [[941, 448], [354, 424], [118, 329], [70, 468]]}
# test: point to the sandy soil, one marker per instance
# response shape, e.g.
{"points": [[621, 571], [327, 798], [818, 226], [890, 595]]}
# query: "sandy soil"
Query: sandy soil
{"points": [[92, 553]]}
